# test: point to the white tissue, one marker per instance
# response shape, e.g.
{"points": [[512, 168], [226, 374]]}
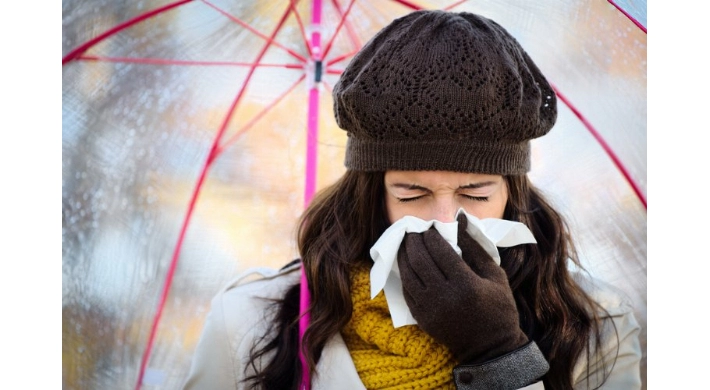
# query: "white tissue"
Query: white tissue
{"points": [[489, 232]]}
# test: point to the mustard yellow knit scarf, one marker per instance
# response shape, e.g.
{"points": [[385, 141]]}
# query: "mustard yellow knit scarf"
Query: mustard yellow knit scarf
{"points": [[389, 358]]}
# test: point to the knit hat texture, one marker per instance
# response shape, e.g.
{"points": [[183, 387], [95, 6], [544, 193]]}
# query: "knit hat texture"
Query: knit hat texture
{"points": [[438, 90]]}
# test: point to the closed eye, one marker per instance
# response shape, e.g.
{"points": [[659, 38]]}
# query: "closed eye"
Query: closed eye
{"points": [[477, 198], [405, 200]]}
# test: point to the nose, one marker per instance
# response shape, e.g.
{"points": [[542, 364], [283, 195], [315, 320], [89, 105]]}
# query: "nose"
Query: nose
{"points": [[445, 210]]}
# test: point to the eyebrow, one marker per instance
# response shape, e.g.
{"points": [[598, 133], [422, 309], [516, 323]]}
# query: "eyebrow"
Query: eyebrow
{"points": [[421, 188], [478, 185]]}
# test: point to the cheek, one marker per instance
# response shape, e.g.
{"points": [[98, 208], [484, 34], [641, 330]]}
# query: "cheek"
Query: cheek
{"points": [[498, 207], [395, 210]]}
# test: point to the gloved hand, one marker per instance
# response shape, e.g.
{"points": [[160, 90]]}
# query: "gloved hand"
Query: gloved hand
{"points": [[465, 304]]}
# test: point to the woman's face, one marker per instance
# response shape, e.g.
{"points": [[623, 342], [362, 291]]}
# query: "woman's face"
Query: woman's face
{"points": [[439, 194]]}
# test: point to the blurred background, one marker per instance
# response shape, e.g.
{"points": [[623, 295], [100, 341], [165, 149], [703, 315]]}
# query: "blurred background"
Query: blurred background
{"points": [[143, 106]]}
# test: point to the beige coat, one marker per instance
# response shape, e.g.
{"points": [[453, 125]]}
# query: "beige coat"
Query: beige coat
{"points": [[237, 318]]}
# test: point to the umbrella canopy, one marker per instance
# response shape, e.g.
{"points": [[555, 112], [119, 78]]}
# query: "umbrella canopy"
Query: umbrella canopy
{"points": [[195, 132]]}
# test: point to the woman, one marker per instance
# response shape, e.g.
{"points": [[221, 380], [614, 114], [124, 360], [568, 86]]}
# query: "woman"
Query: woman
{"points": [[439, 108]]}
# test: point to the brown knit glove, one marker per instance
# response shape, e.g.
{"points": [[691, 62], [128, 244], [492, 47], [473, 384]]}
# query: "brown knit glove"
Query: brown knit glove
{"points": [[466, 304]]}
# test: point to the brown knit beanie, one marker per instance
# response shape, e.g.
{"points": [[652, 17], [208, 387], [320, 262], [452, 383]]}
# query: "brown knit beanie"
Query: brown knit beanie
{"points": [[438, 90]]}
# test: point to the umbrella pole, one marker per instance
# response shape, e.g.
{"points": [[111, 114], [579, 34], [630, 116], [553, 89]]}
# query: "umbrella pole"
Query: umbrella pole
{"points": [[311, 172]]}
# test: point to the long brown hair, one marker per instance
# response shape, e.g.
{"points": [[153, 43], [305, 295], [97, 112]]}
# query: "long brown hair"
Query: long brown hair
{"points": [[347, 218]]}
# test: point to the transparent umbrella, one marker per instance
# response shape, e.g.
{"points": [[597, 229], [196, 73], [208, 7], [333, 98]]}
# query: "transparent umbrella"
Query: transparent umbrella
{"points": [[195, 132]]}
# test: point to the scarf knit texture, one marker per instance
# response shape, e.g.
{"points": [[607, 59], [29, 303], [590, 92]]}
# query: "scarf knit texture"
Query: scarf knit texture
{"points": [[389, 358]]}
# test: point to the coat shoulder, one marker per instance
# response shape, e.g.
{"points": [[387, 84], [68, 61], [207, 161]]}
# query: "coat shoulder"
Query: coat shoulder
{"points": [[612, 299], [613, 360], [246, 299], [262, 282], [239, 316]]}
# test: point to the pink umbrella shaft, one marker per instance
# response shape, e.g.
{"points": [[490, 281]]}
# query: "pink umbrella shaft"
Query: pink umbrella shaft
{"points": [[312, 145], [311, 159], [302, 325]]}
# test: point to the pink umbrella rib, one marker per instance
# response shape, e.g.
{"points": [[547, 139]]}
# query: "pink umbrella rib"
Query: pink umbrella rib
{"points": [[255, 31], [337, 29], [606, 148], [631, 18], [341, 58], [348, 27], [454, 5], [257, 117], [409, 4], [301, 28], [88, 44], [210, 159], [164, 61], [328, 87]]}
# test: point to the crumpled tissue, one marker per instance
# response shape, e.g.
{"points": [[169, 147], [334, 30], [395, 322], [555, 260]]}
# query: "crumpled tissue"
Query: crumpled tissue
{"points": [[384, 275]]}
